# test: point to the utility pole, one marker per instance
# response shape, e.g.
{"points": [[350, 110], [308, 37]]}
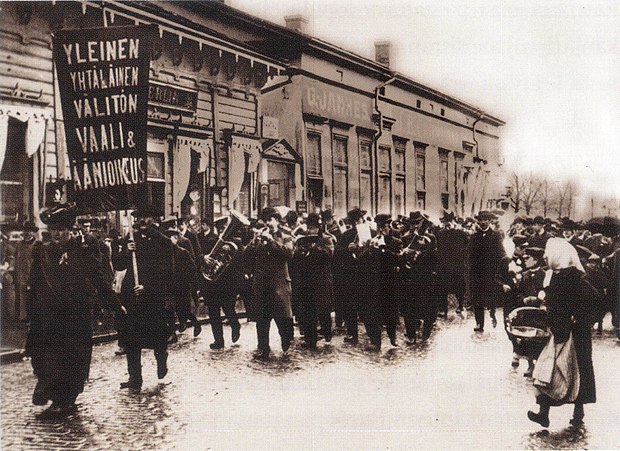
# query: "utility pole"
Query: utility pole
{"points": [[592, 208]]}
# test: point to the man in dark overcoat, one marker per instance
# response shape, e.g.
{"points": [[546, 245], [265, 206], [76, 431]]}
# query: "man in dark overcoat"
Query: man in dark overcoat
{"points": [[486, 253], [185, 283], [65, 284], [540, 235], [379, 299], [149, 298], [451, 255], [315, 292], [221, 294], [271, 285], [347, 271]]}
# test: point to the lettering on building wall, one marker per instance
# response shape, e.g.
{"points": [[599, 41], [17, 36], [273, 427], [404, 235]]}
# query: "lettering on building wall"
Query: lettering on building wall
{"points": [[171, 96], [337, 104], [103, 75]]}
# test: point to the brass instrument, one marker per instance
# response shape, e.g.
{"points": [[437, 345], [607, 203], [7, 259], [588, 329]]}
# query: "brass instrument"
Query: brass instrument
{"points": [[416, 247], [261, 236], [225, 249], [304, 244]]}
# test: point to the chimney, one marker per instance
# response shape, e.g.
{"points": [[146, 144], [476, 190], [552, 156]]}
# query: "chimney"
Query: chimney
{"points": [[382, 52], [297, 23]]}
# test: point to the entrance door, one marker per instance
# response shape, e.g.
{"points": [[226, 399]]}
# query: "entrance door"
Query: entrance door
{"points": [[315, 195], [277, 192], [280, 182], [16, 176]]}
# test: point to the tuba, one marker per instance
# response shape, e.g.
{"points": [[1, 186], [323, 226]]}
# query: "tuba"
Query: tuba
{"points": [[224, 249]]}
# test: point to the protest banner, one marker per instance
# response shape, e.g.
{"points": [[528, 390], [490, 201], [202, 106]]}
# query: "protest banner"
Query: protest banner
{"points": [[103, 76]]}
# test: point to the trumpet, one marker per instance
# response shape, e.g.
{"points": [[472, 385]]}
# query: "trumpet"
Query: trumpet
{"points": [[261, 236]]}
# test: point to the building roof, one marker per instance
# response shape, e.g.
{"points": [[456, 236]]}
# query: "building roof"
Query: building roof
{"points": [[283, 43]]}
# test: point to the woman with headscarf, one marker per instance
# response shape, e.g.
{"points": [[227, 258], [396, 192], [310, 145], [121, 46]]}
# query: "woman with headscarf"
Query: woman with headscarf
{"points": [[568, 298]]}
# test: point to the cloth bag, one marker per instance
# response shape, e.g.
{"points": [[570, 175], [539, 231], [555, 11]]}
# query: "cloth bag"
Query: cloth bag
{"points": [[556, 372]]}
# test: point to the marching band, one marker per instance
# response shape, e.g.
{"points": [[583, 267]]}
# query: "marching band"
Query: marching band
{"points": [[299, 271]]}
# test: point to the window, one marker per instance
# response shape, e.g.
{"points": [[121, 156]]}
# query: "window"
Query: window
{"points": [[385, 180], [366, 155], [399, 196], [340, 150], [385, 194], [155, 166], [421, 201], [366, 191], [156, 172], [366, 184], [399, 159], [16, 175], [443, 174], [385, 164], [340, 192], [340, 156], [313, 155], [399, 176], [420, 171]]}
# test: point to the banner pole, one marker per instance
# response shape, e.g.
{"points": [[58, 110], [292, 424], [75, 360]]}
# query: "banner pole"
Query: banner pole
{"points": [[134, 259]]}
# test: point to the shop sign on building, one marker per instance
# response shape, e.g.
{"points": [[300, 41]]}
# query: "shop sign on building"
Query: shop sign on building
{"points": [[336, 103], [173, 97], [270, 127], [103, 74]]}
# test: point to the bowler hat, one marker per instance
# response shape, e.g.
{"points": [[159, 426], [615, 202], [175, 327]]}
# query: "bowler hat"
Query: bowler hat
{"points": [[327, 214], [60, 216], [313, 220], [28, 226], [170, 223], [568, 224], [270, 212], [519, 240], [448, 216], [485, 215], [535, 252], [416, 216], [382, 219], [355, 214], [147, 211]]}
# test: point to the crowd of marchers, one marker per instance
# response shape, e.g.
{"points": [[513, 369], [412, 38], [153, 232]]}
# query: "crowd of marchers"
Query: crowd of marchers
{"points": [[316, 272]]}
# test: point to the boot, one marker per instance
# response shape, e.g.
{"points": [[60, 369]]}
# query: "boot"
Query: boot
{"points": [[578, 415], [539, 418], [236, 332]]}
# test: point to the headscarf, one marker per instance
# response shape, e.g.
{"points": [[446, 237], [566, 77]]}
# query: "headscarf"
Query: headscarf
{"points": [[560, 254]]}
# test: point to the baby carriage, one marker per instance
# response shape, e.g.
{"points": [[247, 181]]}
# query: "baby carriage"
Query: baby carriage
{"points": [[527, 329]]}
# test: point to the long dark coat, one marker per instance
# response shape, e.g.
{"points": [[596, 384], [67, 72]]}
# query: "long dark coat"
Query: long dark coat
{"points": [[349, 272], [147, 325], [486, 253], [418, 286], [186, 275], [271, 284], [65, 285], [569, 299], [379, 300], [314, 288]]}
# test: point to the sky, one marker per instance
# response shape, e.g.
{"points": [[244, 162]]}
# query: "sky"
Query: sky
{"points": [[549, 69]]}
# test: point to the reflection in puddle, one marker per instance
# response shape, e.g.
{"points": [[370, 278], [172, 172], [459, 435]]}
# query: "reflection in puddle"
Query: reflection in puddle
{"points": [[568, 438]]}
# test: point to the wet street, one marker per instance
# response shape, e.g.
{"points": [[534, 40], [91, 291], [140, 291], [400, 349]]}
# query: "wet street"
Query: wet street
{"points": [[458, 391]]}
